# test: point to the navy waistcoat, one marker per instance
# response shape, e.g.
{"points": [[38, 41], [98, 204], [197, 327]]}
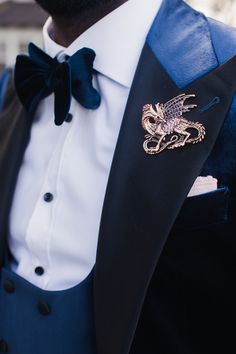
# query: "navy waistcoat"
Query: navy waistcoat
{"points": [[49, 322]]}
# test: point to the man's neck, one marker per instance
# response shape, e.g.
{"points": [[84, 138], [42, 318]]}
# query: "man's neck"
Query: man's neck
{"points": [[65, 30]]}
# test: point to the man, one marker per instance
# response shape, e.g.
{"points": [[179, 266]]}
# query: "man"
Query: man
{"points": [[161, 279]]}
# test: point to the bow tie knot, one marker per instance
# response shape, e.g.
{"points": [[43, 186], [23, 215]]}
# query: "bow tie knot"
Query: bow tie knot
{"points": [[38, 75], [57, 75]]}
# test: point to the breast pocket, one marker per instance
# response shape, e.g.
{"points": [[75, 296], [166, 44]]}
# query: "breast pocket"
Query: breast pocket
{"points": [[204, 210]]}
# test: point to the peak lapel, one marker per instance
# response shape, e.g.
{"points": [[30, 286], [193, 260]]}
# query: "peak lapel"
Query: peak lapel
{"points": [[180, 39], [14, 135], [145, 193]]}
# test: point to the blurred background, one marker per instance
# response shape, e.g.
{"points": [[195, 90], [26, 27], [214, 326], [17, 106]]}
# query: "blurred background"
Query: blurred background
{"points": [[21, 22]]}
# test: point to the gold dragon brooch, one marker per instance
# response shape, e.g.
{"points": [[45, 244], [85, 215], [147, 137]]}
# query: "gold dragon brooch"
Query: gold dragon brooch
{"points": [[167, 128]]}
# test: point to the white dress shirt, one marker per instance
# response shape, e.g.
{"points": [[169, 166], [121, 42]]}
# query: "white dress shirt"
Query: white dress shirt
{"points": [[54, 242]]}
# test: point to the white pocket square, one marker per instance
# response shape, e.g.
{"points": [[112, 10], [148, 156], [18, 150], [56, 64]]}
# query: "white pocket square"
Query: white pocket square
{"points": [[203, 185]]}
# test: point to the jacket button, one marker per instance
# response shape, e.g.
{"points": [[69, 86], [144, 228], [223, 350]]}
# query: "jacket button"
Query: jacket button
{"points": [[44, 308], [9, 286], [3, 346]]}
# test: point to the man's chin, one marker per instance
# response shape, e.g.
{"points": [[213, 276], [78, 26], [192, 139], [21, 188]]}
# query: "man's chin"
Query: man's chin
{"points": [[70, 8]]}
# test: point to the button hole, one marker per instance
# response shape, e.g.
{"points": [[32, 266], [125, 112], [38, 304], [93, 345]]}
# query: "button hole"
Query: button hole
{"points": [[215, 101]]}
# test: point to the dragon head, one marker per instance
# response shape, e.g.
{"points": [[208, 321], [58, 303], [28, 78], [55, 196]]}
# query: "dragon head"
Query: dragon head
{"points": [[152, 117], [149, 118]]}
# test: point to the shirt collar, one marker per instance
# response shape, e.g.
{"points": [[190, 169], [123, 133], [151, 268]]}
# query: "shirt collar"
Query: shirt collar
{"points": [[117, 39]]}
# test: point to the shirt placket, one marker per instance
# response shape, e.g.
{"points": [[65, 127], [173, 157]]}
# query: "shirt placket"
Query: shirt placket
{"points": [[41, 224]]}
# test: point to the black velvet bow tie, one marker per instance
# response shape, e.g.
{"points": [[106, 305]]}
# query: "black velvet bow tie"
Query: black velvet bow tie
{"points": [[38, 76]]}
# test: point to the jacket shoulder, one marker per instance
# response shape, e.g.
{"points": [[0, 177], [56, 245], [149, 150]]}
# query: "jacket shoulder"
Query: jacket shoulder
{"points": [[223, 40]]}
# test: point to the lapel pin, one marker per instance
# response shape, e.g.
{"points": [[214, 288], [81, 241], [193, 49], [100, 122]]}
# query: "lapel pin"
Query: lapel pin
{"points": [[167, 128]]}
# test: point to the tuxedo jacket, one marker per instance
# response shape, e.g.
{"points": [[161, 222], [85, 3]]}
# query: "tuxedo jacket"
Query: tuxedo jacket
{"points": [[165, 273]]}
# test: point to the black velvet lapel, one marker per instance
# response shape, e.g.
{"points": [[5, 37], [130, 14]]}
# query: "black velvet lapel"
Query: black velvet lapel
{"points": [[145, 194], [14, 135]]}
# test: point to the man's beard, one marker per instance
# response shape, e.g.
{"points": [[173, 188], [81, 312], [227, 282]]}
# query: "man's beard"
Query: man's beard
{"points": [[70, 8]]}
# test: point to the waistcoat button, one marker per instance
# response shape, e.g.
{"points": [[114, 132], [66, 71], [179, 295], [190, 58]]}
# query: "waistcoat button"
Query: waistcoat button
{"points": [[3, 346], [44, 308], [9, 286]]}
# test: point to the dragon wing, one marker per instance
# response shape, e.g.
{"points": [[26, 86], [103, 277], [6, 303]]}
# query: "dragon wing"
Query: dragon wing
{"points": [[175, 107]]}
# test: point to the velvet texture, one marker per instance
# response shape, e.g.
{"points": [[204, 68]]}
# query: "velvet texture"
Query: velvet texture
{"points": [[183, 45], [38, 75], [46, 322], [190, 304]]}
